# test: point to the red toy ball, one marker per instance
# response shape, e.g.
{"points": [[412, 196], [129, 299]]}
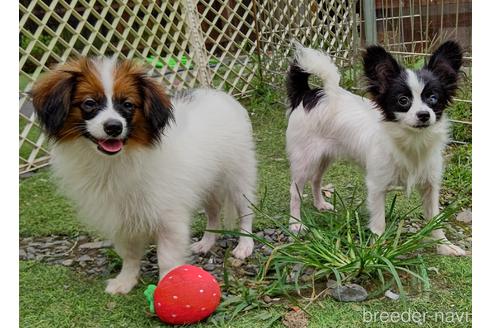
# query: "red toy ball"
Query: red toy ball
{"points": [[187, 294]]}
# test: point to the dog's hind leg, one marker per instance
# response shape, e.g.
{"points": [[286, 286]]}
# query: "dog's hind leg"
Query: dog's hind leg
{"points": [[319, 202], [240, 196], [212, 210], [131, 251], [296, 190], [304, 166], [430, 199], [245, 245]]}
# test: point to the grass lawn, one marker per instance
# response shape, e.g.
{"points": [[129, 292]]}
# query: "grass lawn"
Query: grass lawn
{"points": [[55, 296]]}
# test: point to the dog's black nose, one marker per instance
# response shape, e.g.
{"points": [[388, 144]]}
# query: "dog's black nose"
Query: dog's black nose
{"points": [[113, 127], [423, 116]]}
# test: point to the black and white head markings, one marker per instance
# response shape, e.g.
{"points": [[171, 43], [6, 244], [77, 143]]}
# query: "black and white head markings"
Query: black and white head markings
{"points": [[416, 98]]}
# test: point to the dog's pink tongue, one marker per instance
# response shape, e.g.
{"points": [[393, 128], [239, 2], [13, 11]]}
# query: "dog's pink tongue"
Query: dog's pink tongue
{"points": [[111, 145]]}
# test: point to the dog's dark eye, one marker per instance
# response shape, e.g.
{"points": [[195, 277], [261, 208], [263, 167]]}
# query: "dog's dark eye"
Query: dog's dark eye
{"points": [[432, 99], [128, 105], [89, 105], [404, 101]]}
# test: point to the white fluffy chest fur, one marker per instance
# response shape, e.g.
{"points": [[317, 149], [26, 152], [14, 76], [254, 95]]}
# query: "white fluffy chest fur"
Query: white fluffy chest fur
{"points": [[126, 194], [413, 156]]}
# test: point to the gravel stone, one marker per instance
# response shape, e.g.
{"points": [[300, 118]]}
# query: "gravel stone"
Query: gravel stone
{"points": [[48, 245], [84, 258], [236, 263], [96, 244], [68, 262], [100, 261], [266, 250], [209, 267], [348, 293], [82, 238], [393, 296], [465, 216]]}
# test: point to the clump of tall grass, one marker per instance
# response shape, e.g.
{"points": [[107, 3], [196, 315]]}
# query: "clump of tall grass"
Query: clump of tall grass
{"points": [[339, 246]]}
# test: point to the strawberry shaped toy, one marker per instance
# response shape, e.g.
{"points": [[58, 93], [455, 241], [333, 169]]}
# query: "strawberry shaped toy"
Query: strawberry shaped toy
{"points": [[187, 294]]}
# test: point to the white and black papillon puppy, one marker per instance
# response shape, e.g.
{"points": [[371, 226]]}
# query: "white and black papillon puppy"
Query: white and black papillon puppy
{"points": [[397, 137], [137, 164]]}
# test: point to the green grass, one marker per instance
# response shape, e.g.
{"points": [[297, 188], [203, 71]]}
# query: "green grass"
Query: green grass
{"points": [[43, 211], [53, 296], [458, 176]]}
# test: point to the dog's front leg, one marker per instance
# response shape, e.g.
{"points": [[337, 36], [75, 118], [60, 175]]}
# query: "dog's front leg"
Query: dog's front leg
{"points": [[172, 245], [430, 199], [375, 204], [131, 251]]}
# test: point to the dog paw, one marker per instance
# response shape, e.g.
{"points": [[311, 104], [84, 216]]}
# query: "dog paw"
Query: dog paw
{"points": [[324, 206], [297, 228], [377, 227], [203, 246], [450, 250], [120, 285], [244, 248]]}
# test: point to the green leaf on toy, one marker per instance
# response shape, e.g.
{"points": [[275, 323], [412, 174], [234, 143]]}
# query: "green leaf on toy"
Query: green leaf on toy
{"points": [[149, 295]]}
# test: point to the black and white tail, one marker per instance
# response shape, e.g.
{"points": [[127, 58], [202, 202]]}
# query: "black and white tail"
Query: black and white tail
{"points": [[307, 62]]}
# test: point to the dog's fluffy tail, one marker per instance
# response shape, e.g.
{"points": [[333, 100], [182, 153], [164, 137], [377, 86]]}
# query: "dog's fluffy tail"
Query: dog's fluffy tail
{"points": [[308, 61]]}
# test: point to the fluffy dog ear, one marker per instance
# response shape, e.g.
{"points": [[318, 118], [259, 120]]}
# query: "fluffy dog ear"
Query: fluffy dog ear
{"points": [[380, 69], [157, 107], [51, 96], [445, 63], [448, 54]]}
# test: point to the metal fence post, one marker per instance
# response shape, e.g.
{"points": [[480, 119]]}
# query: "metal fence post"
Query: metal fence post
{"points": [[370, 22]]}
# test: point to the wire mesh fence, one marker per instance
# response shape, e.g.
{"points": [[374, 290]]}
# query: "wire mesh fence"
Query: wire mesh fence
{"points": [[328, 25], [233, 45]]}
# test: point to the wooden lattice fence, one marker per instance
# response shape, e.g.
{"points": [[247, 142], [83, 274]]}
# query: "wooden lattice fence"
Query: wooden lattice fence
{"points": [[232, 45]]}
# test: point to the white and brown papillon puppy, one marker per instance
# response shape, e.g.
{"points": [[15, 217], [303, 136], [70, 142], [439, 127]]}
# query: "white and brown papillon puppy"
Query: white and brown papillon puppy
{"points": [[397, 137], [138, 164]]}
